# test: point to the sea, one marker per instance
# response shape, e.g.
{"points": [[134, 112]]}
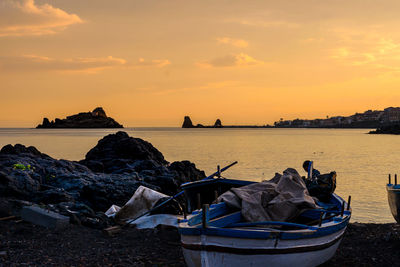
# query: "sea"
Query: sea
{"points": [[362, 161]]}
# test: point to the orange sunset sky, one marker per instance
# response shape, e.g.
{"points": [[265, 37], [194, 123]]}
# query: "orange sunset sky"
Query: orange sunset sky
{"points": [[149, 63]]}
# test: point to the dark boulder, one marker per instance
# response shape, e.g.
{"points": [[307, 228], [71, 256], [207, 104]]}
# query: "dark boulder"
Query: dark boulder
{"points": [[186, 171], [120, 151], [19, 149], [47, 180]]}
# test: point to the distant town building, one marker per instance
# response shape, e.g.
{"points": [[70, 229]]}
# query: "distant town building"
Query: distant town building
{"points": [[391, 114], [370, 118]]}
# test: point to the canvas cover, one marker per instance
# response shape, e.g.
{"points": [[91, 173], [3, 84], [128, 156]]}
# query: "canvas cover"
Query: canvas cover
{"points": [[142, 201], [282, 198]]}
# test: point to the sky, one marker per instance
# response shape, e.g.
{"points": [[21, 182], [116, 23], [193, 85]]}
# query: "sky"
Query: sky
{"points": [[150, 63]]}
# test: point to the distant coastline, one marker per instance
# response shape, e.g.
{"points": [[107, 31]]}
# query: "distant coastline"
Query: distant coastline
{"points": [[382, 120], [187, 123]]}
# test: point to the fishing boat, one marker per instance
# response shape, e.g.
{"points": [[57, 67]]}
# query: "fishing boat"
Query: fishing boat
{"points": [[393, 192], [219, 236]]}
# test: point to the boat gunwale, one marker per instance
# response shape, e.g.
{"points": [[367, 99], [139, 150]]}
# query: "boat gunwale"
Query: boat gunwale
{"points": [[265, 234], [336, 224], [391, 187]]}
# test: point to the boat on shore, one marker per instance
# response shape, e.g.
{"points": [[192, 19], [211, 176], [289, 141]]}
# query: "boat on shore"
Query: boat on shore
{"points": [[218, 237], [393, 192]]}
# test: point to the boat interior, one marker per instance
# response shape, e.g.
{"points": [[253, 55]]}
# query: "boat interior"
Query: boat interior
{"points": [[201, 195]]}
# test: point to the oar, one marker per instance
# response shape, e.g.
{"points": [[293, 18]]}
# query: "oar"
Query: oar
{"points": [[219, 171], [180, 193]]}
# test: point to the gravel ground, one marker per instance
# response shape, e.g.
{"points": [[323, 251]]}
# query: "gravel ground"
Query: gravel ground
{"points": [[24, 244], [29, 245]]}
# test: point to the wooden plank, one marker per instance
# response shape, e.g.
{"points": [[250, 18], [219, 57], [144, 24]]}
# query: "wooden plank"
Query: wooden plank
{"points": [[226, 220], [215, 211]]}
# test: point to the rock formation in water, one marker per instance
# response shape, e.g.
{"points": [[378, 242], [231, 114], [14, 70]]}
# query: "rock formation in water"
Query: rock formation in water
{"points": [[110, 174], [218, 124], [187, 123], [95, 119], [389, 129]]}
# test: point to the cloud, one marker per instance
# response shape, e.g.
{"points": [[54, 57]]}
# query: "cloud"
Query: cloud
{"points": [[80, 64], [264, 23], [159, 63], [235, 42], [25, 17], [41, 63], [372, 50], [238, 60]]}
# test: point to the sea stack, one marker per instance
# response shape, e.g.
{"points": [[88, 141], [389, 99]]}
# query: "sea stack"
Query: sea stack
{"points": [[187, 122], [218, 124], [94, 119]]}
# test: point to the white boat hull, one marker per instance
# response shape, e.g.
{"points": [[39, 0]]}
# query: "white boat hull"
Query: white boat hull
{"points": [[210, 251]]}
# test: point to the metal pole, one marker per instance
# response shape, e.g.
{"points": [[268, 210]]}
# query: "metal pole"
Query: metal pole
{"points": [[348, 203]]}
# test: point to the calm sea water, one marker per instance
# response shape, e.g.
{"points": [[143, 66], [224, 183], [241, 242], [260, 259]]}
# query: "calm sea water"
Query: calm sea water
{"points": [[362, 161]]}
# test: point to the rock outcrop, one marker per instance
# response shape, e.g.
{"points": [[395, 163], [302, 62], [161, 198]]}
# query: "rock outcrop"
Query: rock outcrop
{"points": [[389, 129], [110, 174], [187, 122], [119, 152], [218, 124], [95, 119]]}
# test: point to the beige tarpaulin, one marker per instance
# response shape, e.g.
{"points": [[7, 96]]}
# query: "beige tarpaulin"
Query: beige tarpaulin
{"points": [[142, 201], [280, 199]]}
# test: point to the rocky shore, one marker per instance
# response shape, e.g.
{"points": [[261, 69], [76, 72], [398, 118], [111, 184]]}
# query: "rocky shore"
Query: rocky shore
{"points": [[388, 129], [110, 174], [94, 119]]}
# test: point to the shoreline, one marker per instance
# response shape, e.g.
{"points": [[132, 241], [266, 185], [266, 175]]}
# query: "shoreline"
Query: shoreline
{"points": [[364, 244]]}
